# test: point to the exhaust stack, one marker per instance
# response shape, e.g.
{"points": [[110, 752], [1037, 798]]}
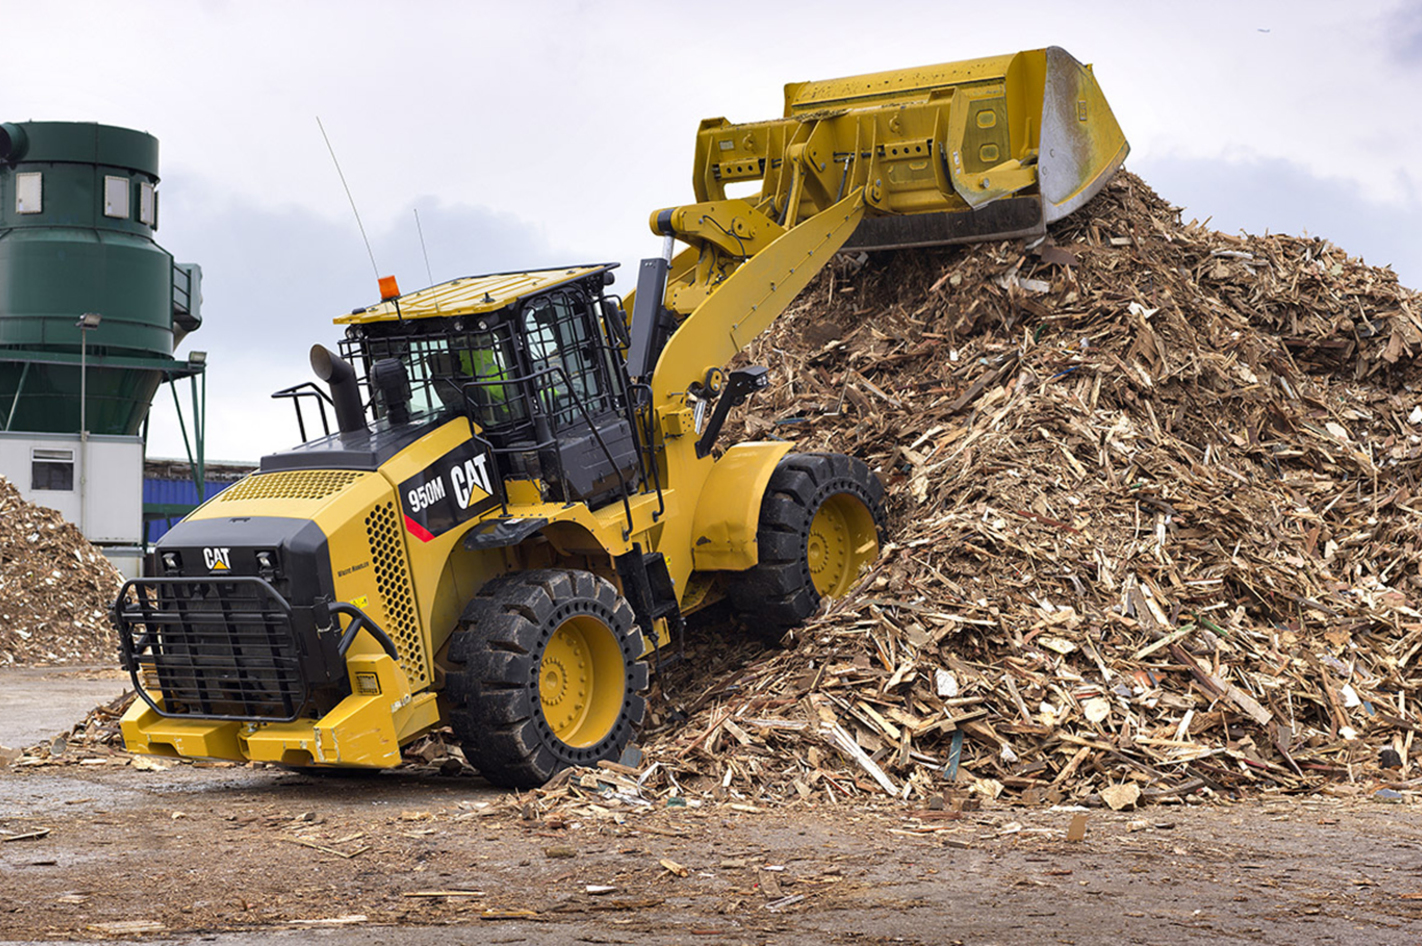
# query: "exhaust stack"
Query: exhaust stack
{"points": [[345, 393]]}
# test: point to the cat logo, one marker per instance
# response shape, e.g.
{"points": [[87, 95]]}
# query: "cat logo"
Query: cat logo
{"points": [[217, 560], [471, 481], [454, 489]]}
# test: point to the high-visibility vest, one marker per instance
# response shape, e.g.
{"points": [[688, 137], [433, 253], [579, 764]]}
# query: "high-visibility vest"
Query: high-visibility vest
{"points": [[483, 365]]}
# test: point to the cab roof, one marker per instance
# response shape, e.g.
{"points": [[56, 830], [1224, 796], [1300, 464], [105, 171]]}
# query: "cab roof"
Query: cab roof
{"points": [[472, 295]]}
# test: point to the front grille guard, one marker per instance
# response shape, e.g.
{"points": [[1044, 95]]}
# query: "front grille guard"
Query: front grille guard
{"points": [[230, 648]]}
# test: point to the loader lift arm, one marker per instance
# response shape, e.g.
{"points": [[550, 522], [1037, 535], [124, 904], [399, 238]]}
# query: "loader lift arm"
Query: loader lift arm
{"points": [[985, 149], [752, 294]]}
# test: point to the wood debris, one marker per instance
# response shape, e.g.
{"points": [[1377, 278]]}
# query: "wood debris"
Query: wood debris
{"points": [[55, 588], [1154, 524], [95, 738]]}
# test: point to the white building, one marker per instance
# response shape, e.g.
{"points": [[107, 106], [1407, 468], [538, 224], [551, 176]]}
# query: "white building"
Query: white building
{"points": [[97, 485]]}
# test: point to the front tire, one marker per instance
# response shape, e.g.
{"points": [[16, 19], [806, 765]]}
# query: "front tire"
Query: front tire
{"points": [[820, 523], [546, 674]]}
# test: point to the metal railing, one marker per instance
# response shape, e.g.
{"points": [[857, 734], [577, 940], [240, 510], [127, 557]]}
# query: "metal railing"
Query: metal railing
{"points": [[307, 389], [219, 649], [543, 445]]}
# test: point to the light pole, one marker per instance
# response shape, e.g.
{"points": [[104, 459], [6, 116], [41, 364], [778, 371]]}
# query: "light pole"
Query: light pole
{"points": [[87, 321], [198, 360]]}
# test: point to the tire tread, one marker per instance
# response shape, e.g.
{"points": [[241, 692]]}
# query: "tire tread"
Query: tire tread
{"points": [[778, 593], [492, 685]]}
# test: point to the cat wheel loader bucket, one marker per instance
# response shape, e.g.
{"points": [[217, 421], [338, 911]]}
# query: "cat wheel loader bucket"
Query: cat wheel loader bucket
{"points": [[985, 149]]}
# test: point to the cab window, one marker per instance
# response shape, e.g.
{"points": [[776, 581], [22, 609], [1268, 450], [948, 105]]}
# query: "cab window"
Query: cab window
{"points": [[557, 334]]}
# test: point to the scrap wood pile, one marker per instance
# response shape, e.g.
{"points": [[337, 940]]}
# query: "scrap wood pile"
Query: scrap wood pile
{"points": [[1153, 523], [55, 588]]}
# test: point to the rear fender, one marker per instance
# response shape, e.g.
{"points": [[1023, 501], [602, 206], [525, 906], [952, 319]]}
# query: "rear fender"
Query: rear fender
{"points": [[728, 512]]}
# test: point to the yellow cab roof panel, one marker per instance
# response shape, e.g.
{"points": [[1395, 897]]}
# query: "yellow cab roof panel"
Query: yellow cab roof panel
{"points": [[470, 295]]}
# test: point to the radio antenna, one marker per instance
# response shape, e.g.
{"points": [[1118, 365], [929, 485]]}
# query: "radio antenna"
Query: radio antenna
{"points": [[342, 176], [422, 246]]}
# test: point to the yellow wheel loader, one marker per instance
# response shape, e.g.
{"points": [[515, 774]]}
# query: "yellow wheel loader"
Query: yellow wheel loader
{"points": [[522, 497]]}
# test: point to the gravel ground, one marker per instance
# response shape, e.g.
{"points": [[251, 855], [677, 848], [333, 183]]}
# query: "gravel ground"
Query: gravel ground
{"points": [[228, 854], [37, 702]]}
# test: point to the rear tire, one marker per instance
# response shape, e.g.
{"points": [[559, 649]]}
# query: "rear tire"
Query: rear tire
{"points": [[547, 674], [820, 523]]}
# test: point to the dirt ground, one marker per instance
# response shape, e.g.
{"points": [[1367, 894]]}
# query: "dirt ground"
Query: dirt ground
{"points": [[194, 853], [36, 702]]}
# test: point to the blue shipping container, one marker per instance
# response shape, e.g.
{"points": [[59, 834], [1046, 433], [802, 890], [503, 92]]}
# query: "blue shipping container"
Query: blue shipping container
{"points": [[173, 492]]}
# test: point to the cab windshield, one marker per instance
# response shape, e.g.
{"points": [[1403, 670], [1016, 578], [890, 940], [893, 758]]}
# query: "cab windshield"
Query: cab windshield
{"points": [[441, 360]]}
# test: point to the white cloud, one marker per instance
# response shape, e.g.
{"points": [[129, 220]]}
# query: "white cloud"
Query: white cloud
{"points": [[547, 131]]}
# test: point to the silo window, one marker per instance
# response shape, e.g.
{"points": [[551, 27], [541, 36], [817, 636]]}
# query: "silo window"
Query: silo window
{"points": [[52, 469], [147, 203], [116, 197], [29, 192]]}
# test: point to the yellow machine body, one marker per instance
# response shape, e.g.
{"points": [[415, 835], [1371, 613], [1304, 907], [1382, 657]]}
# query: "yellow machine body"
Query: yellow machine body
{"points": [[924, 153], [416, 589]]}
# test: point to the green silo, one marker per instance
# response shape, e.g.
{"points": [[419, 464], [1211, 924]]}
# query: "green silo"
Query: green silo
{"points": [[78, 207]]}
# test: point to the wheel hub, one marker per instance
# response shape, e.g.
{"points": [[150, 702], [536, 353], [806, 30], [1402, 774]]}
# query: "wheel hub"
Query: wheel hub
{"points": [[563, 685], [554, 685], [580, 681], [842, 539], [828, 549]]}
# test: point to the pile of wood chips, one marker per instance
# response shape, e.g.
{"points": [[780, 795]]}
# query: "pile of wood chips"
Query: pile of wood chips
{"points": [[1153, 524], [1153, 533], [55, 588]]}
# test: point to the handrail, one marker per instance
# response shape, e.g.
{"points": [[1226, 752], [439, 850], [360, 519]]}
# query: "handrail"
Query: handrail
{"points": [[296, 392], [587, 419], [359, 621]]}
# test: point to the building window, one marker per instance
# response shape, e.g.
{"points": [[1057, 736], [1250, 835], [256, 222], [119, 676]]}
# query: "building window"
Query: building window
{"points": [[147, 204], [116, 197], [52, 469], [29, 192]]}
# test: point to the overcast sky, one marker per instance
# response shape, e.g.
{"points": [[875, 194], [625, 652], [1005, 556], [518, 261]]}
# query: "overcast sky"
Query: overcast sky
{"points": [[542, 133]]}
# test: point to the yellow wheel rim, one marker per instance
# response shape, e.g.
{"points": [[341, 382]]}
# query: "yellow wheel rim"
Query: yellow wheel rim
{"points": [[843, 539], [582, 681]]}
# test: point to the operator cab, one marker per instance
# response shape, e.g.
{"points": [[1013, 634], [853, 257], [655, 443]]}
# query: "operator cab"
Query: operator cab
{"points": [[532, 360]]}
